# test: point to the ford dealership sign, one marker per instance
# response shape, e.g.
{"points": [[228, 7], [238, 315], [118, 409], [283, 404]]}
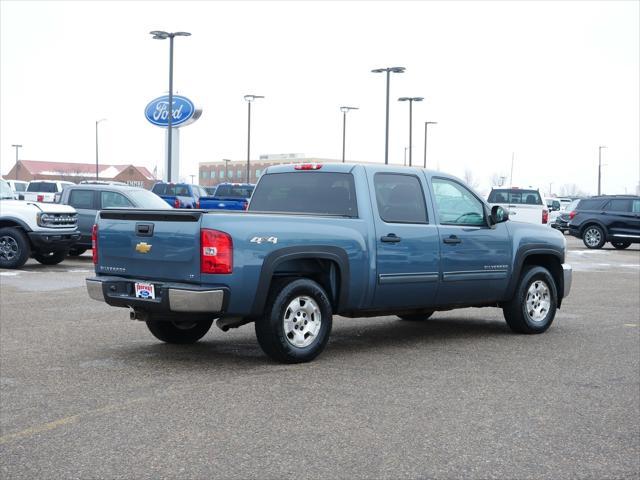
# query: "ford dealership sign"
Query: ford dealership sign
{"points": [[183, 112]]}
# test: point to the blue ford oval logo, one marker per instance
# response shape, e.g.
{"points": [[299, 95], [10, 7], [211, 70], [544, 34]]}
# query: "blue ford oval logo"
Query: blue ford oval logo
{"points": [[183, 112]]}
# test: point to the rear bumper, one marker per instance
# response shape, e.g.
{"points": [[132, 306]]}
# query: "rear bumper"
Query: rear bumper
{"points": [[567, 273], [170, 297], [53, 241]]}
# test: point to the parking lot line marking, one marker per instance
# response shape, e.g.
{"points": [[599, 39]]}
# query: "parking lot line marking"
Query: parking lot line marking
{"points": [[45, 427], [630, 324]]}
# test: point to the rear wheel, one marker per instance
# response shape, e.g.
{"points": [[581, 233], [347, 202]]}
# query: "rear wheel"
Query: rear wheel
{"points": [[416, 317], [14, 248], [593, 237], [297, 321], [621, 245], [50, 258], [533, 307], [179, 332]]}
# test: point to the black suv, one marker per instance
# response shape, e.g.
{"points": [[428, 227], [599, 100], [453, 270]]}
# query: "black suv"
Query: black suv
{"points": [[607, 218]]}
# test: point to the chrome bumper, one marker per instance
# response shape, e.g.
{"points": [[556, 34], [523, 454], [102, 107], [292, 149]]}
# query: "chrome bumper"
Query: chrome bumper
{"points": [[567, 273], [170, 298]]}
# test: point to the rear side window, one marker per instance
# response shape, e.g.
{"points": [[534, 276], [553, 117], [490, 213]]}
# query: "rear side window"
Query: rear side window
{"points": [[635, 208], [45, 187], [400, 198], [81, 199], [590, 204], [234, 191], [321, 193], [19, 187], [515, 196]]}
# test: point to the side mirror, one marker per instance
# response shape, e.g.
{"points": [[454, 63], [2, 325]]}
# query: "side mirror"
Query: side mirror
{"points": [[499, 214]]}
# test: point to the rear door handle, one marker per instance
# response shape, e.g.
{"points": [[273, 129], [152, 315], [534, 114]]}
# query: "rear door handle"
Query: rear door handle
{"points": [[391, 238], [452, 240]]}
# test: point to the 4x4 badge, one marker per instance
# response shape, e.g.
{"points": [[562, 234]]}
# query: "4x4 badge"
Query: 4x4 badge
{"points": [[143, 247]]}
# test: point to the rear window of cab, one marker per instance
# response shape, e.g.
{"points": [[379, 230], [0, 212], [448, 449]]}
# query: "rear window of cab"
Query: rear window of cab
{"points": [[515, 196]]}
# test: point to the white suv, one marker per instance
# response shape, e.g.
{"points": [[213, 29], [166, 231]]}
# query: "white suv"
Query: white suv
{"points": [[43, 231], [523, 204]]}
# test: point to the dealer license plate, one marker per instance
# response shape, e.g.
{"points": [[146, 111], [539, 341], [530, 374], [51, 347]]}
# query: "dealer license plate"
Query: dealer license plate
{"points": [[145, 290]]}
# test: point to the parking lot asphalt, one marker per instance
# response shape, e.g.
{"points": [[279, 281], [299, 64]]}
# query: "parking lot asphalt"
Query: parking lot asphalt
{"points": [[87, 393]]}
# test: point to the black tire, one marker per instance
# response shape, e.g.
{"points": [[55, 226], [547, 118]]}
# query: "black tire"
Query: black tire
{"points": [[76, 252], [621, 245], [179, 332], [50, 258], [14, 247], [271, 332], [415, 317], [593, 237], [516, 312]]}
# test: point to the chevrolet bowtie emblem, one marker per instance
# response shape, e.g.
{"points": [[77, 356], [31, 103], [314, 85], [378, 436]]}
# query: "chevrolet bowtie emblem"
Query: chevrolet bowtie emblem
{"points": [[143, 247]]}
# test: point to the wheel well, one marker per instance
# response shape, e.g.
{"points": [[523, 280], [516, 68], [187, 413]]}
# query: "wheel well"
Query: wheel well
{"points": [[9, 223], [551, 263], [591, 224], [324, 272]]}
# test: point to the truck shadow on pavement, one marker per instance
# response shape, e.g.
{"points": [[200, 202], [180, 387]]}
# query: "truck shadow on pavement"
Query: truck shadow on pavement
{"points": [[349, 338]]}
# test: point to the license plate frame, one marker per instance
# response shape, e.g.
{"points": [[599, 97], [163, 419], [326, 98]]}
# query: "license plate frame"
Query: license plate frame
{"points": [[144, 291]]}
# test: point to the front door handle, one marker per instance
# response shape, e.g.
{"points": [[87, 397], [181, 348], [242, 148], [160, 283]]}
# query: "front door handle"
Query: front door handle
{"points": [[391, 238], [452, 240]]}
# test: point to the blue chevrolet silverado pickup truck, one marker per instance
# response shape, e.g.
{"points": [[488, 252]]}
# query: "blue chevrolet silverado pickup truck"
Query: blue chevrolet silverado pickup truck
{"points": [[326, 239]]}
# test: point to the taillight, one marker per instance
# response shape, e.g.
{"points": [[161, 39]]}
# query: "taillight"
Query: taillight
{"points": [[94, 243], [216, 252], [545, 216], [246, 206], [308, 166], [572, 214], [198, 203], [40, 198], [176, 203]]}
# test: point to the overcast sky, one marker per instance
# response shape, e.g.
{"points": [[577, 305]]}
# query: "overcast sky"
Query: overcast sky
{"points": [[550, 81]]}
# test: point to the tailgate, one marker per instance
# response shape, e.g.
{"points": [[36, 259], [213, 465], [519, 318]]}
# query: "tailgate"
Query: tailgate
{"points": [[157, 245], [525, 213]]}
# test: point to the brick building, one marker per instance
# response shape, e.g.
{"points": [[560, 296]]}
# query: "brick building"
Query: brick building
{"points": [[213, 173], [28, 170]]}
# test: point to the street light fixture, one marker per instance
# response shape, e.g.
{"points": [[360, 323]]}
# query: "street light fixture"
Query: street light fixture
{"points": [[160, 35], [249, 99], [410, 100], [97, 122], [425, 141], [600, 166], [389, 71], [17, 165], [344, 111]]}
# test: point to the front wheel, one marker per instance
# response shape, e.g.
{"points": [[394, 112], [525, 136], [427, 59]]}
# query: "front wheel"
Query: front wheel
{"points": [[621, 245], [593, 237], [533, 307], [50, 258], [14, 248], [297, 321], [179, 332]]}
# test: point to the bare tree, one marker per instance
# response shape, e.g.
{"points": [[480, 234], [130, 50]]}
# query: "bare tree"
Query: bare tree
{"points": [[469, 179]]}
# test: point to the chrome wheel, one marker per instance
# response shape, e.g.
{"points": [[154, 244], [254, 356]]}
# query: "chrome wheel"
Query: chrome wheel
{"points": [[592, 237], [302, 320], [538, 301], [9, 249]]}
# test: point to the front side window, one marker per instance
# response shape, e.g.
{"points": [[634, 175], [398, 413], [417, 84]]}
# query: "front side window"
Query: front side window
{"points": [[400, 198], [81, 199], [114, 200], [456, 204]]}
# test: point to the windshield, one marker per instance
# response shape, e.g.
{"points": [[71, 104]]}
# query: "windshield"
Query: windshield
{"points": [[5, 190], [234, 191], [146, 199], [515, 196]]}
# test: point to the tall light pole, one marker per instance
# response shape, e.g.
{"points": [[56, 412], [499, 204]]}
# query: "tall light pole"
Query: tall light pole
{"points": [[600, 166], [249, 99], [405, 155], [426, 124], [17, 165], [97, 122], [410, 100], [388, 70], [344, 111], [160, 35]]}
